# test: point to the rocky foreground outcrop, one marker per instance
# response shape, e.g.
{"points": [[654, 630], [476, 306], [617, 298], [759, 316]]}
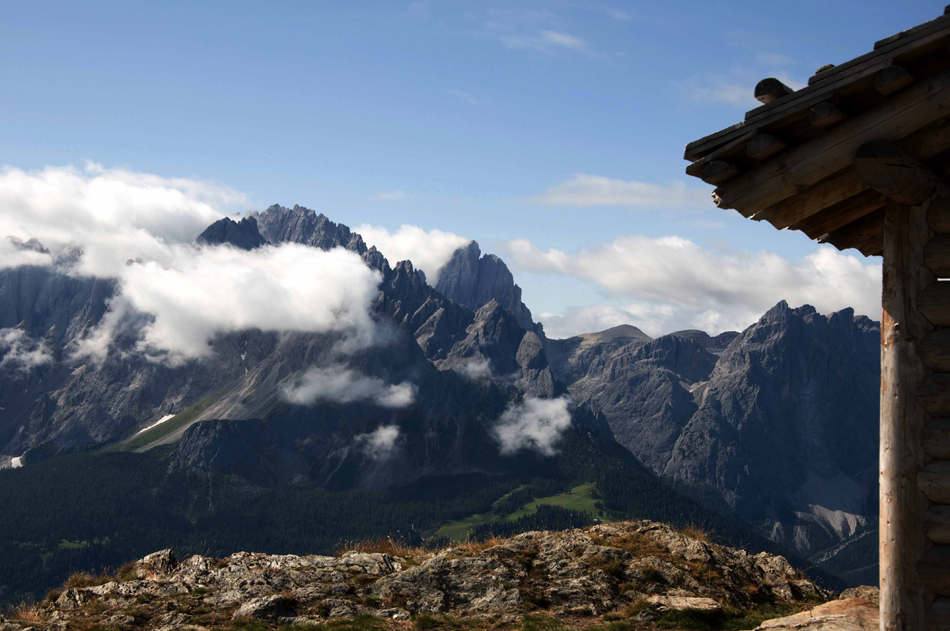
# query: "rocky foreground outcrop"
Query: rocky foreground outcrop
{"points": [[627, 571]]}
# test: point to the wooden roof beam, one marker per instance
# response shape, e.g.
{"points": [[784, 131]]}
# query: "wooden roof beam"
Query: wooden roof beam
{"points": [[809, 163], [894, 174], [865, 234], [891, 79], [830, 191], [839, 215], [771, 89], [764, 146], [825, 114]]}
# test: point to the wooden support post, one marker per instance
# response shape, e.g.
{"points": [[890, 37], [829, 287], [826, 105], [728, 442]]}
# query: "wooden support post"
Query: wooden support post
{"points": [[904, 597]]}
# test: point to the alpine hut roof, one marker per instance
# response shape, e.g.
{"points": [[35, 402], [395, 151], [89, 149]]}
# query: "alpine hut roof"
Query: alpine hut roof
{"points": [[795, 161]]}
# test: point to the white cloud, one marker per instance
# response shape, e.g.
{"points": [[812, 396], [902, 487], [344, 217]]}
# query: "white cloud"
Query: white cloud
{"points": [[380, 444], [533, 424], [585, 190], [716, 89], [111, 214], [429, 250], [196, 293], [342, 385], [19, 352], [189, 293], [773, 59], [546, 41], [477, 369], [620, 15], [592, 318], [393, 196], [737, 88], [463, 96], [673, 283]]}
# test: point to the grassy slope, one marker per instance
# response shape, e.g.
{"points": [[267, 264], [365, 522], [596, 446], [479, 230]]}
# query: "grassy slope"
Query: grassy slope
{"points": [[160, 433], [580, 498]]}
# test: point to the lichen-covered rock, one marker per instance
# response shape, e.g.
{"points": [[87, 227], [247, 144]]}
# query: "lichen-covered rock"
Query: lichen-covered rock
{"points": [[266, 607], [867, 592], [848, 614], [585, 572]]}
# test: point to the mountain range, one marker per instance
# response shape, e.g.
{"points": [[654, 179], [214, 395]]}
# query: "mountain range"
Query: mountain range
{"points": [[774, 427]]}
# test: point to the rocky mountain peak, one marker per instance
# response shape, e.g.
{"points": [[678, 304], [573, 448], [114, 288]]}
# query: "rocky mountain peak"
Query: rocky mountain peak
{"points": [[474, 280], [302, 225], [242, 234]]}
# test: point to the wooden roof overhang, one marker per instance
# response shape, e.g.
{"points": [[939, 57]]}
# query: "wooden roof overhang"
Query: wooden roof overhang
{"points": [[796, 161]]}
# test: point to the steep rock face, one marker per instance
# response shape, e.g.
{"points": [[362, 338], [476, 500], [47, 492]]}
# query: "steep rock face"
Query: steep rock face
{"points": [[714, 344], [477, 328], [245, 424], [786, 427], [781, 419], [645, 393], [573, 358], [302, 225], [573, 575], [241, 234], [475, 280]]}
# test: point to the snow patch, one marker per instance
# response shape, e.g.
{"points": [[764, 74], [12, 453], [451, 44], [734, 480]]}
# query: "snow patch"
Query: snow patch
{"points": [[156, 423]]}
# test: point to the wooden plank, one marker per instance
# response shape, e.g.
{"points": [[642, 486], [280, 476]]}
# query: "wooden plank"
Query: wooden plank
{"points": [[764, 146], [925, 143], [934, 482], [718, 171], [934, 350], [937, 523], [866, 232], [840, 214], [770, 90], [902, 541], [937, 255], [934, 570], [887, 169], [938, 616], [821, 88], [832, 190], [939, 215], [935, 438], [928, 141], [825, 114], [934, 303], [809, 163], [892, 79]]}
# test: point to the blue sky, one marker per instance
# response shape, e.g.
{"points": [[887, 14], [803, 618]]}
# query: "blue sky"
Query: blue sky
{"points": [[527, 126]]}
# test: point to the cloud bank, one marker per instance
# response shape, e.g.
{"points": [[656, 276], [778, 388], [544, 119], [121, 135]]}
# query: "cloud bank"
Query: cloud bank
{"points": [[342, 385], [20, 352], [429, 250], [671, 283], [533, 424], [380, 444], [200, 292], [111, 214], [140, 229], [584, 190]]}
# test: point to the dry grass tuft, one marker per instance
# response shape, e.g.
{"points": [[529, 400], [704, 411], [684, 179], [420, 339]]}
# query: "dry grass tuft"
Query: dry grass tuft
{"points": [[477, 546], [694, 532], [379, 545], [80, 580], [639, 544], [26, 614]]}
